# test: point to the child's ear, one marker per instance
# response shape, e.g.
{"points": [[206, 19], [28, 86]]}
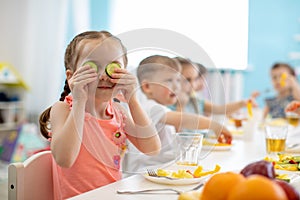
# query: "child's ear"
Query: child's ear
{"points": [[69, 74], [145, 87]]}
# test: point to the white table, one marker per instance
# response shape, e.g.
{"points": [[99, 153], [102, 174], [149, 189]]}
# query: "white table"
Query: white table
{"points": [[241, 154]]}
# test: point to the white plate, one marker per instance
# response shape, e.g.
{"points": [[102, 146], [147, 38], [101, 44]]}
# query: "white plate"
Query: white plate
{"points": [[237, 133], [217, 148], [212, 147], [180, 181]]}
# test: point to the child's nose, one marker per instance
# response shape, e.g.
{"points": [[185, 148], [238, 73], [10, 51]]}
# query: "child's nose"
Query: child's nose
{"points": [[103, 77]]}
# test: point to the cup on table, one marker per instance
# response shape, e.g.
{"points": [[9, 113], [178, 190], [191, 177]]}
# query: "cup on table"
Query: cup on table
{"points": [[238, 119], [275, 136], [189, 148], [292, 118], [237, 122]]}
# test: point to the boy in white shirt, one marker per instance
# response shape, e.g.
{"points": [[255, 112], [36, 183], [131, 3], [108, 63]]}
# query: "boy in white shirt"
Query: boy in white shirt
{"points": [[159, 78]]}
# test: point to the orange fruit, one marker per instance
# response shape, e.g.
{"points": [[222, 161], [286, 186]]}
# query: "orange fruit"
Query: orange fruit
{"points": [[257, 187], [219, 185]]}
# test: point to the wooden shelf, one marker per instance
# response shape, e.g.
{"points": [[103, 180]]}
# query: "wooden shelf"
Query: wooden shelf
{"points": [[11, 114]]}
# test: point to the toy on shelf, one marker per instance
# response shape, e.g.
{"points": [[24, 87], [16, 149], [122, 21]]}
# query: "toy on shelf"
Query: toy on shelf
{"points": [[10, 76], [11, 105]]}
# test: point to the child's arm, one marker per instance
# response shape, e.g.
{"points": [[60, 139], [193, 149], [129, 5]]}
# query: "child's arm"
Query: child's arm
{"points": [[192, 121], [223, 109], [66, 124], [138, 126], [139, 129], [230, 107]]}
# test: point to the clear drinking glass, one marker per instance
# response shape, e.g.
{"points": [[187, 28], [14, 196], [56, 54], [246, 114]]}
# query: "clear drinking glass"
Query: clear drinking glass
{"points": [[275, 136], [189, 148]]}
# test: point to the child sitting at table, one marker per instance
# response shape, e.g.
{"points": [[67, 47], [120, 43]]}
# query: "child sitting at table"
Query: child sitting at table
{"points": [[189, 101], [285, 83], [159, 78], [88, 130]]}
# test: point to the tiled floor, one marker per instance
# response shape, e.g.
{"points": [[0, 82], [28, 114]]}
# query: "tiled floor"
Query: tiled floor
{"points": [[3, 180]]}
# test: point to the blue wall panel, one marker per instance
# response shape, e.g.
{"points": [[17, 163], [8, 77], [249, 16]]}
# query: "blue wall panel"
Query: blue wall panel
{"points": [[272, 26], [100, 14]]}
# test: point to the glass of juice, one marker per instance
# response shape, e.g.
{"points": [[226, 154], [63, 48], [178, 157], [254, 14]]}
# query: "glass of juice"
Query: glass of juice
{"points": [[292, 118], [275, 136], [238, 120]]}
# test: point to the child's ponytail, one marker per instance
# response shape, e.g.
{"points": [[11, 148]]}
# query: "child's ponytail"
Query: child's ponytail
{"points": [[44, 122]]}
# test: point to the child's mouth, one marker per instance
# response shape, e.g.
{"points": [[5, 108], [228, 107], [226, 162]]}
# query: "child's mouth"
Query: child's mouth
{"points": [[106, 86], [172, 95]]}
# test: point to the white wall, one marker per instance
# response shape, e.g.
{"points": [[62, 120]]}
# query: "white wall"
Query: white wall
{"points": [[33, 40], [12, 26]]}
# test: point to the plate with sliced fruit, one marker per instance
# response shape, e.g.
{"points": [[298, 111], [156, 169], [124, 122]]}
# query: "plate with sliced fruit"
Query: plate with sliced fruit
{"points": [[286, 162], [214, 145], [181, 176]]}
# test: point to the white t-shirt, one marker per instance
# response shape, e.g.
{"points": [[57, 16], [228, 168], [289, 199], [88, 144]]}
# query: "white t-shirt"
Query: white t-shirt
{"points": [[137, 162]]}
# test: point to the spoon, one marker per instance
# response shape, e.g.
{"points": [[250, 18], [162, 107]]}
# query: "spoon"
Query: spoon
{"points": [[293, 145]]}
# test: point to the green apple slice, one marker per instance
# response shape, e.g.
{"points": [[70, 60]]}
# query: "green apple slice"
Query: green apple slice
{"points": [[110, 68], [91, 64]]}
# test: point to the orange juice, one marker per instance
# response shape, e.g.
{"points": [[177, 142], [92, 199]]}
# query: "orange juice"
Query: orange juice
{"points": [[293, 120], [237, 122], [275, 145]]}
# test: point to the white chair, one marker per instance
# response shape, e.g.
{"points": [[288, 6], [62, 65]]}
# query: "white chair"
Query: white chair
{"points": [[32, 179]]}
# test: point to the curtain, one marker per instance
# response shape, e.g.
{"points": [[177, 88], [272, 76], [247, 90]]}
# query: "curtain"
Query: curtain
{"points": [[34, 41]]}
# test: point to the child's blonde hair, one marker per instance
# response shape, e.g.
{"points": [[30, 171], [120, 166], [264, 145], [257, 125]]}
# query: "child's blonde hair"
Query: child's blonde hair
{"points": [[154, 64]]}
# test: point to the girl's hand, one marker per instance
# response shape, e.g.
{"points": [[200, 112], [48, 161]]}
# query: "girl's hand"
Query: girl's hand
{"points": [[290, 81], [80, 80], [125, 82], [225, 136], [293, 107], [255, 94], [252, 100]]}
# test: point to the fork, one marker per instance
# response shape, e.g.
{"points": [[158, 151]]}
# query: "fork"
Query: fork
{"points": [[154, 191], [153, 173], [151, 191]]}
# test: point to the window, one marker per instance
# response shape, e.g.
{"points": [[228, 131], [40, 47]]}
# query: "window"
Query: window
{"points": [[219, 27]]}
